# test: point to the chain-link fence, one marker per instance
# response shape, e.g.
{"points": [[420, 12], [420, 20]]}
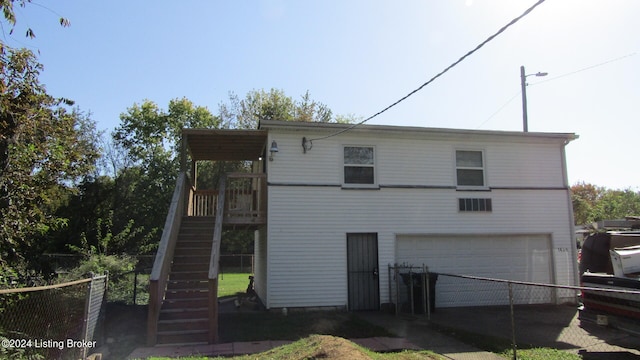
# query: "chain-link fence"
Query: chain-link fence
{"points": [[505, 316], [236, 263], [63, 321]]}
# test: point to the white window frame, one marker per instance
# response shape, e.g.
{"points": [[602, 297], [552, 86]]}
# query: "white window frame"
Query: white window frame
{"points": [[374, 166], [483, 168]]}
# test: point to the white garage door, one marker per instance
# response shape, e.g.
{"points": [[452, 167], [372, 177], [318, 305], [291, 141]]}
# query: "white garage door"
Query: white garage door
{"points": [[510, 257]]}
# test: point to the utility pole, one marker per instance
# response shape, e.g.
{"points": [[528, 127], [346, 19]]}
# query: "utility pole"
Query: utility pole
{"points": [[523, 84]]}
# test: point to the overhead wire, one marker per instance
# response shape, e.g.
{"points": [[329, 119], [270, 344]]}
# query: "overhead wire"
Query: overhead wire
{"points": [[554, 78], [483, 43], [501, 107], [584, 69]]}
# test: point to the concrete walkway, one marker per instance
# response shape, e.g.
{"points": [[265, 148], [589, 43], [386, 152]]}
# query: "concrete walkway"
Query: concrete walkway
{"points": [[416, 331]]}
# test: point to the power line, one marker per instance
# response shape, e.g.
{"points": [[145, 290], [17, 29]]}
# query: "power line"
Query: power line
{"points": [[500, 109], [490, 38], [583, 69], [555, 78]]}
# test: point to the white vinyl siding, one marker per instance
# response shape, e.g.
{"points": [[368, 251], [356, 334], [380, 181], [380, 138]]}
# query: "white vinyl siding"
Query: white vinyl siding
{"points": [[260, 262], [307, 265], [415, 162], [309, 212]]}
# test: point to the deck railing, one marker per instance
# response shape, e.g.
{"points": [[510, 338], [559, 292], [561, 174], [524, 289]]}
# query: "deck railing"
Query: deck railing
{"points": [[164, 257], [246, 199]]}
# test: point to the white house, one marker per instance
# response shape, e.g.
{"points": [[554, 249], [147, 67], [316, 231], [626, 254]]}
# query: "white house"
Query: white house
{"points": [[334, 205], [342, 208]]}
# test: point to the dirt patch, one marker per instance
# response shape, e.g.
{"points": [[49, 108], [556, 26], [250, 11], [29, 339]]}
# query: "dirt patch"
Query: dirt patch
{"points": [[331, 347]]}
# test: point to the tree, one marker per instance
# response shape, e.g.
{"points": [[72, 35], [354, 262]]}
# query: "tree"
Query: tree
{"points": [[270, 105], [147, 143], [593, 203], [9, 14], [44, 149], [584, 198], [617, 204]]}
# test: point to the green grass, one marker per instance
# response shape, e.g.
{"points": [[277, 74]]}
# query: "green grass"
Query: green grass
{"points": [[503, 347], [541, 354], [232, 283]]}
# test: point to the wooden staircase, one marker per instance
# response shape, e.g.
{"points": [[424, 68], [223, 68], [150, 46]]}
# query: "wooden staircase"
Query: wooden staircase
{"points": [[183, 285], [184, 314]]}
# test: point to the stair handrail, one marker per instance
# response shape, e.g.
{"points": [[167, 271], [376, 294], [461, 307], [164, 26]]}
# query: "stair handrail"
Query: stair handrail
{"points": [[164, 257], [213, 263]]}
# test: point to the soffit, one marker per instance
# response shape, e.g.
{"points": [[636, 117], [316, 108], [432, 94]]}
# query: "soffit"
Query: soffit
{"points": [[230, 145]]}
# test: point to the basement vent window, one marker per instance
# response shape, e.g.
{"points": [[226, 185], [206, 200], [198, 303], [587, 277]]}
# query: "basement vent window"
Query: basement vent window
{"points": [[476, 205]]}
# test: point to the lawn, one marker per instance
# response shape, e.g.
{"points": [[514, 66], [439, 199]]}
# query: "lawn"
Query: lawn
{"points": [[232, 283]]}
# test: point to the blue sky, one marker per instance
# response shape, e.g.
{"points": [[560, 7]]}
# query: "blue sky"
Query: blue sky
{"points": [[359, 56]]}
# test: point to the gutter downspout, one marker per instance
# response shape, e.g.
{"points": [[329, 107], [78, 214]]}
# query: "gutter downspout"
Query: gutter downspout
{"points": [[574, 250]]}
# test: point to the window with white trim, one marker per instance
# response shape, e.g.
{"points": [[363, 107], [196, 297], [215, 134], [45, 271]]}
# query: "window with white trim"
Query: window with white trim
{"points": [[359, 165], [470, 168]]}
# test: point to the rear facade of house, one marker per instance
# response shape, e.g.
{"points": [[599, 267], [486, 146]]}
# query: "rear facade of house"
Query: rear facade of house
{"points": [[342, 209]]}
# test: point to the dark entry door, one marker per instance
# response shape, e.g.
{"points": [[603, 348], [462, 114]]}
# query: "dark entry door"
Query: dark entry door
{"points": [[362, 266]]}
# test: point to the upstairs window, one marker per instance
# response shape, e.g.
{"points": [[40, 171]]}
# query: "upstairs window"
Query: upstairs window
{"points": [[359, 165], [470, 168]]}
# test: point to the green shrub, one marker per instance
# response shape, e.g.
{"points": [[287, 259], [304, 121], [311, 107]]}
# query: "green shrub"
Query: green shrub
{"points": [[98, 264]]}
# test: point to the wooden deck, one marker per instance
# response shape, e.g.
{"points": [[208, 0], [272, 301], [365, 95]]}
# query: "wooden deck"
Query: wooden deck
{"points": [[245, 200]]}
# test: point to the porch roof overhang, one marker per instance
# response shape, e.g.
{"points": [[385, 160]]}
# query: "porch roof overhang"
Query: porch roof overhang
{"points": [[224, 144]]}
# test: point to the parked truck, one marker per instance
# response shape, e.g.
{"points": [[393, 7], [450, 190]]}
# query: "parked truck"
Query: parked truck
{"points": [[611, 261]]}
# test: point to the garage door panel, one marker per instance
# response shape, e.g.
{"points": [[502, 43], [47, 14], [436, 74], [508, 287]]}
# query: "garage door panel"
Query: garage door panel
{"points": [[510, 257]]}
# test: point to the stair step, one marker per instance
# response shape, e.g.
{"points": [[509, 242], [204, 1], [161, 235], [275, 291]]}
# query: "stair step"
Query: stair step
{"points": [[197, 225], [184, 314], [182, 325], [189, 275], [193, 284], [192, 267], [195, 233], [197, 259], [185, 294], [194, 243], [181, 304], [191, 251]]}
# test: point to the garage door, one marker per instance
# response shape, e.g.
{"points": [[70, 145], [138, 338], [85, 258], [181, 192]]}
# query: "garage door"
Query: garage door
{"points": [[510, 257]]}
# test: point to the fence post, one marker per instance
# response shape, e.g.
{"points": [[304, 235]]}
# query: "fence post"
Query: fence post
{"points": [[411, 290], [135, 285], [395, 276], [87, 308], [426, 291], [103, 322], [513, 323], [389, 282]]}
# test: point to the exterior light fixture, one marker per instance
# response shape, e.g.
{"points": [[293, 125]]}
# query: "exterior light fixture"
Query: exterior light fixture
{"points": [[273, 150], [523, 83]]}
